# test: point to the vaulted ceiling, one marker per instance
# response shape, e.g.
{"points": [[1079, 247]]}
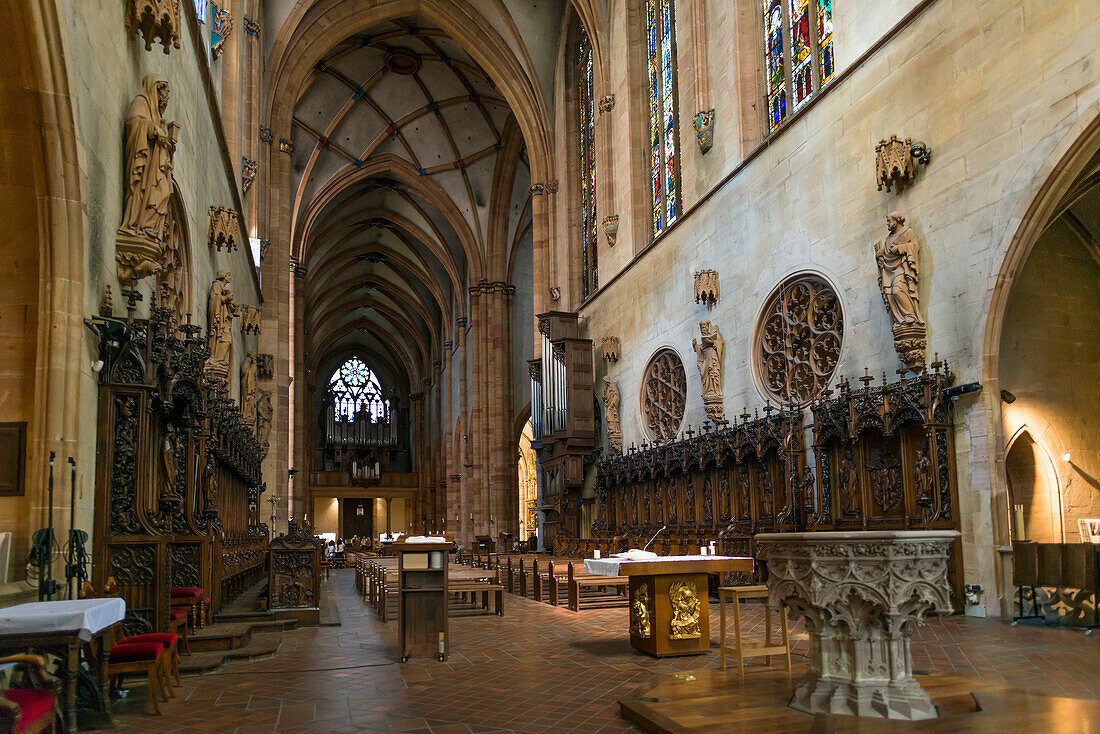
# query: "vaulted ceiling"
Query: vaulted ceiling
{"points": [[398, 135]]}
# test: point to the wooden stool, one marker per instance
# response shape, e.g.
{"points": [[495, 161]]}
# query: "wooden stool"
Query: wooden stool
{"points": [[742, 649]]}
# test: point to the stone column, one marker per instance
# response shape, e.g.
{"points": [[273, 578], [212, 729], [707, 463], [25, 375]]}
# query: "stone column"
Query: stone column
{"points": [[861, 594]]}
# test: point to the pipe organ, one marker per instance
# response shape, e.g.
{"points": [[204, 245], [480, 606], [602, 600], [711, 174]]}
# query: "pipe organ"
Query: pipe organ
{"points": [[563, 419]]}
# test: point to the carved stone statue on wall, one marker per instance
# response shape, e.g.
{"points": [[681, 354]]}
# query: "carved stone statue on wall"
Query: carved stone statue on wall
{"points": [[898, 280], [708, 355], [263, 420], [611, 401], [220, 312], [150, 145], [248, 388]]}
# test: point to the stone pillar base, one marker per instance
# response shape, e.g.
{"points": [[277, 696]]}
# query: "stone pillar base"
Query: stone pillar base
{"points": [[904, 700]]}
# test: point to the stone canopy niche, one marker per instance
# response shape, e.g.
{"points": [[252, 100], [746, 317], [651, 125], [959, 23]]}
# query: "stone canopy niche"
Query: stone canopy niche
{"points": [[861, 594]]}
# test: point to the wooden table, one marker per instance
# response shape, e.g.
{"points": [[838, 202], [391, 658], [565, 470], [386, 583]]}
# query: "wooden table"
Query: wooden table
{"points": [[669, 611], [65, 629]]}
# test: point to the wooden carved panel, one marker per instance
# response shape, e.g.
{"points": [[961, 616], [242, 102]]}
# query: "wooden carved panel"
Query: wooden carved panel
{"points": [[798, 339], [664, 395]]}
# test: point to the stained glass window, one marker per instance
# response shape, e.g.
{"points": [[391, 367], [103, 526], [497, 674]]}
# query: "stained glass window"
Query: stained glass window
{"points": [[200, 10], [663, 113], [355, 389], [587, 169], [798, 53]]}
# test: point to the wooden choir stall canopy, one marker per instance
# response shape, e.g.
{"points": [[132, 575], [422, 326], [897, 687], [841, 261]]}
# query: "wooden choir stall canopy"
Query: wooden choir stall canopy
{"points": [[669, 611], [178, 478]]}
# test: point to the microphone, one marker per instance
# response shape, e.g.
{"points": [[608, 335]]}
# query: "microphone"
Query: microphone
{"points": [[728, 528], [663, 528]]}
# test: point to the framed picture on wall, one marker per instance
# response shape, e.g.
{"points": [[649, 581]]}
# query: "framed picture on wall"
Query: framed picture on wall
{"points": [[1089, 529], [13, 448]]}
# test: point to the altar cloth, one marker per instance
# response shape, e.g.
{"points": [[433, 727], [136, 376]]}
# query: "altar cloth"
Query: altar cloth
{"points": [[85, 617], [612, 566]]}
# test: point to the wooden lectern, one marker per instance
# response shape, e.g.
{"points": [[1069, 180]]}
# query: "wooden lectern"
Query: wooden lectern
{"points": [[669, 612], [422, 599]]}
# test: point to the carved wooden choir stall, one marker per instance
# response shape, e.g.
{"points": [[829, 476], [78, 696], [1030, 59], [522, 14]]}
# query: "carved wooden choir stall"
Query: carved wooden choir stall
{"points": [[178, 471], [883, 459]]}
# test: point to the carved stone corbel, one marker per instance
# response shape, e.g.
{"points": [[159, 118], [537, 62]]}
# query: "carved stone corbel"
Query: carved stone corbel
{"points": [[250, 320], [156, 20], [706, 287], [248, 174], [221, 29], [610, 348], [222, 228], [611, 228], [704, 130], [896, 159]]}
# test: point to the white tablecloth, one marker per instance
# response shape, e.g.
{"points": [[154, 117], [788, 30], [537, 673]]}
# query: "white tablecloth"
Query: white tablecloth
{"points": [[86, 617], [610, 566]]}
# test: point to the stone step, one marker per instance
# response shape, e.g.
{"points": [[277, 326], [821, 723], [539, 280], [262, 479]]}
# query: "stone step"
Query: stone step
{"points": [[261, 644], [223, 636]]}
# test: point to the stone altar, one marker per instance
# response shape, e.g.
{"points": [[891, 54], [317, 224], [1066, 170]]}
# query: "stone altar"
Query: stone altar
{"points": [[860, 593]]}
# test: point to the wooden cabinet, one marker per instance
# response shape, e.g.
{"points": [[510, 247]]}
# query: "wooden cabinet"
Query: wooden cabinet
{"points": [[422, 599]]}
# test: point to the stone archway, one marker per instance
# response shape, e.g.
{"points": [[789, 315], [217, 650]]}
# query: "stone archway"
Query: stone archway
{"points": [[1033, 487], [40, 197], [1029, 315]]}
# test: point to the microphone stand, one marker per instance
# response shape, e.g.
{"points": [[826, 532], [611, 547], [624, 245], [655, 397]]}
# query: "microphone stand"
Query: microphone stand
{"points": [[663, 528]]}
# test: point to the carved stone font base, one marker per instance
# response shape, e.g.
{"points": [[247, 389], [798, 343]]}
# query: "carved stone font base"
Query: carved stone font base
{"points": [[861, 593]]}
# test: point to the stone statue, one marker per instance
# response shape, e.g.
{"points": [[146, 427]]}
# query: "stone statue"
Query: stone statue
{"points": [[263, 420], [898, 280], [611, 400], [220, 312], [150, 145], [248, 388], [708, 355]]}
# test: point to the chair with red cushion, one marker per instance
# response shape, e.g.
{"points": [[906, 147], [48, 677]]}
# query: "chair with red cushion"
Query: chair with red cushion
{"points": [[171, 658], [29, 710], [190, 598], [138, 657], [177, 624]]}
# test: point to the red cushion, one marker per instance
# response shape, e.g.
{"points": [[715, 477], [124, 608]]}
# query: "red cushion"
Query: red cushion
{"points": [[134, 651], [187, 592], [33, 705], [179, 614], [167, 639]]}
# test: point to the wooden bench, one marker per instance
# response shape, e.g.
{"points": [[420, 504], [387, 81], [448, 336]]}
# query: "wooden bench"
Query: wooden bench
{"points": [[465, 583], [590, 590]]}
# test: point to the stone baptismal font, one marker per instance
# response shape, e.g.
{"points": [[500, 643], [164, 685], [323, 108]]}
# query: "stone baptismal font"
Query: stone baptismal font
{"points": [[861, 594]]}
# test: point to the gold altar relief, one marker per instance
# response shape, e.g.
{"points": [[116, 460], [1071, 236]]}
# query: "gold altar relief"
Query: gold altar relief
{"points": [[685, 610], [639, 613], [798, 339], [664, 395]]}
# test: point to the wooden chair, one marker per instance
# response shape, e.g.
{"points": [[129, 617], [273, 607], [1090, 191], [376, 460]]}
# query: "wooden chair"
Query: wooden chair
{"points": [[170, 659], [177, 625], [139, 657], [29, 710], [742, 649], [190, 598]]}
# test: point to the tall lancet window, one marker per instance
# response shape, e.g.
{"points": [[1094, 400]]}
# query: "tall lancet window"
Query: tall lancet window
{"points": [[664, 123], [587, 169], [798, 53]]}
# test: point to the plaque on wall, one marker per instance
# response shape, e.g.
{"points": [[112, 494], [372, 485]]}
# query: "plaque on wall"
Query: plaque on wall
{"points": [[13, 446]]}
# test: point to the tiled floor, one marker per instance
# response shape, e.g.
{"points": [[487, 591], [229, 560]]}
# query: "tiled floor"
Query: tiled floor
{"points": [[538, 669]]}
